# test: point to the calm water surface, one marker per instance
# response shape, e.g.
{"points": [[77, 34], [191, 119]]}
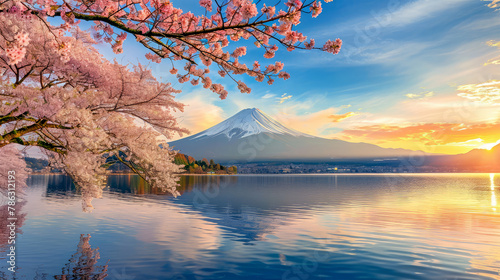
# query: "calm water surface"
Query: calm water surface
{"points": [[444, 226]]}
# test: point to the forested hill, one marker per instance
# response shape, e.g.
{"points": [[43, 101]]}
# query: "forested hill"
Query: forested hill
{"points": [[191, 165], [203, 166]]}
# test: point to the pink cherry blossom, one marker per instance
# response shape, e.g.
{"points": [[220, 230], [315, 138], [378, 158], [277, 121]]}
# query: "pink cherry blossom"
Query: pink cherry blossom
{"points": [[240, 51], [207, 4], [65, 97], [333, 46], [22, 39], [269, 54], [316, 9], [284, 75], [309, 45], [294, 3], [243, 87], [97, 111], [248, 10], [269, 11]]}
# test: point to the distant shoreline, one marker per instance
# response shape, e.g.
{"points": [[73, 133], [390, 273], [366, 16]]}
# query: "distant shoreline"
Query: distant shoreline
{"points": [[300, 174], [181, 174]]}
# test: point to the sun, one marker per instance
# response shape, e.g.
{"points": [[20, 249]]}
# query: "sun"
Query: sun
{"points": [[489, 146]]}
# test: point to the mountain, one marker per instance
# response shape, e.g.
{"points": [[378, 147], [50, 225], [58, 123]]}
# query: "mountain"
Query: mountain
{"points": [[245, 123], [477, 160], [251, 136]]}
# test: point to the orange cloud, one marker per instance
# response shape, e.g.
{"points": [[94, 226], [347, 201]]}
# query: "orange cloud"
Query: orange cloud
{"points": [[494, 4], [314, 123], [341, 117], [283, 98], [495, 60], [200, 113], [432, 137]]}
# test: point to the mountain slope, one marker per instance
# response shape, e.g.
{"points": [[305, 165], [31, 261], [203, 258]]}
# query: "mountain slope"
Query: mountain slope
{"points": [[251, 135], [245, 123], [477, 160]]}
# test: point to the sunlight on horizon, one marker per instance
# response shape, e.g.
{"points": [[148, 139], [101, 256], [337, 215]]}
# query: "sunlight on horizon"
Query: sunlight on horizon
{"points": [[493, 195], [489, 146]]}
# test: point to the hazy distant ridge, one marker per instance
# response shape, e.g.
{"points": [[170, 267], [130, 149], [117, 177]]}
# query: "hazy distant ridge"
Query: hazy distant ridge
{"points": [[251, 135]]}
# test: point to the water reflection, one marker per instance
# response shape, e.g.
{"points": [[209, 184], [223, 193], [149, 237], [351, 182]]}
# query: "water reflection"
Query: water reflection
{"points": [[83, 264], [260, 227], [18, 217], [253, 207], [493, 195]]}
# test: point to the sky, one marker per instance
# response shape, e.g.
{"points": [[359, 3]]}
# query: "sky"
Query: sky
{"points": [[419, 74]]}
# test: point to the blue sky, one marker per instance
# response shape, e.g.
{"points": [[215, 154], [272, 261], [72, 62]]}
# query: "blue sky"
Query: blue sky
{"points": [[400, 67]]}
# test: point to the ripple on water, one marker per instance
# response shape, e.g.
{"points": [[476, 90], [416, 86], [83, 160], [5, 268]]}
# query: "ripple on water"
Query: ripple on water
{"points": [[299, 227]]}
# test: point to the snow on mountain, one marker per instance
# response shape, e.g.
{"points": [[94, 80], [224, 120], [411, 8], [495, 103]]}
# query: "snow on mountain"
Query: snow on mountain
{"points": [[251, 135], [248, 122]]}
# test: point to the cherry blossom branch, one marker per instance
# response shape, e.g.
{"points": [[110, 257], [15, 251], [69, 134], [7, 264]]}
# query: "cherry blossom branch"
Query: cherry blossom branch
{"points": [[39, 124], [40, 143], [181, 35]]}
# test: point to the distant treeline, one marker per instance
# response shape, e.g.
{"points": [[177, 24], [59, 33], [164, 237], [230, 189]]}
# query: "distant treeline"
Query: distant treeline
{"points": [[36, 164], [203, 166], [189, 164]]}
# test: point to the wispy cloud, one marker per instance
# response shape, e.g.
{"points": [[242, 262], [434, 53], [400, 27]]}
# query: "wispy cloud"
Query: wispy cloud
{"points": [[340, 117], [494, 4], [200, 112], [313, 123], [487, 93], [394, 14], [385, 52], [421, 95], [268, 95], [284, 97], [370, 39], [495, 60], [458, 64], [486, 22], [420, 10]]}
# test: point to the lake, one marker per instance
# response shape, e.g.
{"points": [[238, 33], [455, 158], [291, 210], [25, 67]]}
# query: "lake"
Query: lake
{"points": [[412, 226]]}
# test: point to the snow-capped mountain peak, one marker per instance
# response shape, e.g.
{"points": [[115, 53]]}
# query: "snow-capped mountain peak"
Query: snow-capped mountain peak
{"points": [[239, 139], [248, 122]]}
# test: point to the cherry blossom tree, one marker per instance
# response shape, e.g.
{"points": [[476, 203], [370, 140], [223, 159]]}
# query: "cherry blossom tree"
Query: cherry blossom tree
{"points": [[12, 164], [65, 98], [60, 94]]}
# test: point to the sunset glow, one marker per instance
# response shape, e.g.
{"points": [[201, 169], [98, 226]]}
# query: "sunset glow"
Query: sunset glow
{"points": [[424, 88], [489, 146], [250, 139], [493, 194]]}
